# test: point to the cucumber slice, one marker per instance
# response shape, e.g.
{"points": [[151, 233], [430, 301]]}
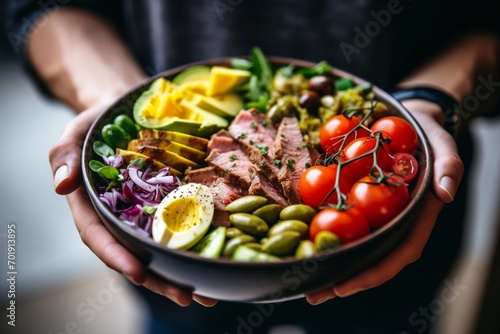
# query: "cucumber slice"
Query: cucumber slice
{"points": [[246, 254], [210, 246], [194, 73]]}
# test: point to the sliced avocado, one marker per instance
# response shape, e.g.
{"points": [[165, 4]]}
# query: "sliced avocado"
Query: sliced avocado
{"points": [[128, 156], [245, 254], [194, 73], [176, 113], [227, 105], [211, 122], [181, 138], [210, 246], [168, 145], [168, 158]]}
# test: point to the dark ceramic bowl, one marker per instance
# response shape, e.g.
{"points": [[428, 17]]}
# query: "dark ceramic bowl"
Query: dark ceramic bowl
{"points": [[259, 282]]}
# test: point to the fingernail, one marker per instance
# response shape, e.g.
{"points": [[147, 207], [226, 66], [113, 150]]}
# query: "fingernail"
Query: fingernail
{"points": [[62, 173], [348, 292], [448, 185]]}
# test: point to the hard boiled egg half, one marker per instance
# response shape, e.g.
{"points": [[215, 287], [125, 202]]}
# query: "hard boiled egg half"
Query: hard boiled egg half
{"points": [[183, 216]]}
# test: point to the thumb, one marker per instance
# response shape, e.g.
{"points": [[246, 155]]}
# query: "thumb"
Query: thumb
{"points": [[448, 168], [65, 155]]}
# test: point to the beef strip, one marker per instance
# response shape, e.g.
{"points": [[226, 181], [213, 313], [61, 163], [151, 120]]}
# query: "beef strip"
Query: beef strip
{"points": [[293, 153], [262, 187]]}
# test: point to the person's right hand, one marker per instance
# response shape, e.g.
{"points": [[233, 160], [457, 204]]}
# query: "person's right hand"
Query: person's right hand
{"points": [[65, 159]]}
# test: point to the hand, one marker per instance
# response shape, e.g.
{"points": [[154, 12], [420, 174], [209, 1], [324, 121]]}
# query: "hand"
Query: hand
{"points": [[65, 158], [448, 170]]}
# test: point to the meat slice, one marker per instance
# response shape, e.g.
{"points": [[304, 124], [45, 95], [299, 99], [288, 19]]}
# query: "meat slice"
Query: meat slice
{"points": [[262, 187], [224, 193], [255, 134], [222, 141], [293, 153], [205, 176], [233, 165]]}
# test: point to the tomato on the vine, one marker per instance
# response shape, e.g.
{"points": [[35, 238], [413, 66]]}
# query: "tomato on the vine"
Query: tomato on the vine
{"points": [[332, 131], [401, 133], [362, 166], [405, 165], [379, 202], [317, 182], [348, 225]]}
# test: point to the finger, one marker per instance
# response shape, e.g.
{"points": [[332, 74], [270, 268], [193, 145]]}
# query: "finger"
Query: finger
{"points": [[65, 155], [448, 167], [95, 235], [207, 302], [407, 252], [320, 297]]}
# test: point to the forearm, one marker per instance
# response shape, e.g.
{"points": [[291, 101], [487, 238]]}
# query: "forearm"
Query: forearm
{"points": [[81, 59], [469, 71]]}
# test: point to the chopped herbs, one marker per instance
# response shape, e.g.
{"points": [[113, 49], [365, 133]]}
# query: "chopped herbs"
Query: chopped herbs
{"points": [[233, 157], [289, 164], [242, 135], [263, 149], [301, 145], [282, 135], [307, 165], [277, 163], [251, 142], [253, 126], [265, 124]]}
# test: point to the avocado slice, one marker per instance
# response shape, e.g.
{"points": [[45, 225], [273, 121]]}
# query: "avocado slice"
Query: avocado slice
{"points": [[128, 156], [194, 73], [168, 158], [227, 105], [168, 145], [197, 143], [164, 107]]}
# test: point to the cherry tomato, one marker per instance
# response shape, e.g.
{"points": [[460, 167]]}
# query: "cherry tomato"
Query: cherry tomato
{"points": [[348, 225], [403, 136], [379, 202], [363, 166], [405, 165], [317, 181], [331, 132]]}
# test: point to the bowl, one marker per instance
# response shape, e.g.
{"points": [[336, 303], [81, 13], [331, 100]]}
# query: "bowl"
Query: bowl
{"points": [[259, 282]]}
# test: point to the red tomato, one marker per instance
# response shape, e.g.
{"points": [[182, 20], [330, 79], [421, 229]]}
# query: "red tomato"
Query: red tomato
{"points": [[348, 225], [379, 202], [405, 165], [332, 131], [403, 136], [363, 166], [317, 181]]}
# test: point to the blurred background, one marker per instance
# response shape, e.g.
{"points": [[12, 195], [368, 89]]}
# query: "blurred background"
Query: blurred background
{"points": [[61, 287]]}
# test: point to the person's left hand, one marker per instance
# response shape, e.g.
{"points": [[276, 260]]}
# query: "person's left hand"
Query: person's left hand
{"points": [[447, 173]]}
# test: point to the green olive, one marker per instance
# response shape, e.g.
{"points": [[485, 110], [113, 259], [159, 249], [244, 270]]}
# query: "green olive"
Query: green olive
{"points": [[301, 212], [231, 245], [281, 244], [269, 213], [246, 204], [290, 225], [249, 224], [232, 232], [327, 240], [263, 240], [254, 245], [306, 249]]}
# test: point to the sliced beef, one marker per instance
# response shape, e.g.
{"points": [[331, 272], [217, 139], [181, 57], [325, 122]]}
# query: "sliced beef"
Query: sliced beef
{"points": [[293, 153], [256, 135], [224, 193], [262, 187], [233, 165], [205, 176], [222, 141]]}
